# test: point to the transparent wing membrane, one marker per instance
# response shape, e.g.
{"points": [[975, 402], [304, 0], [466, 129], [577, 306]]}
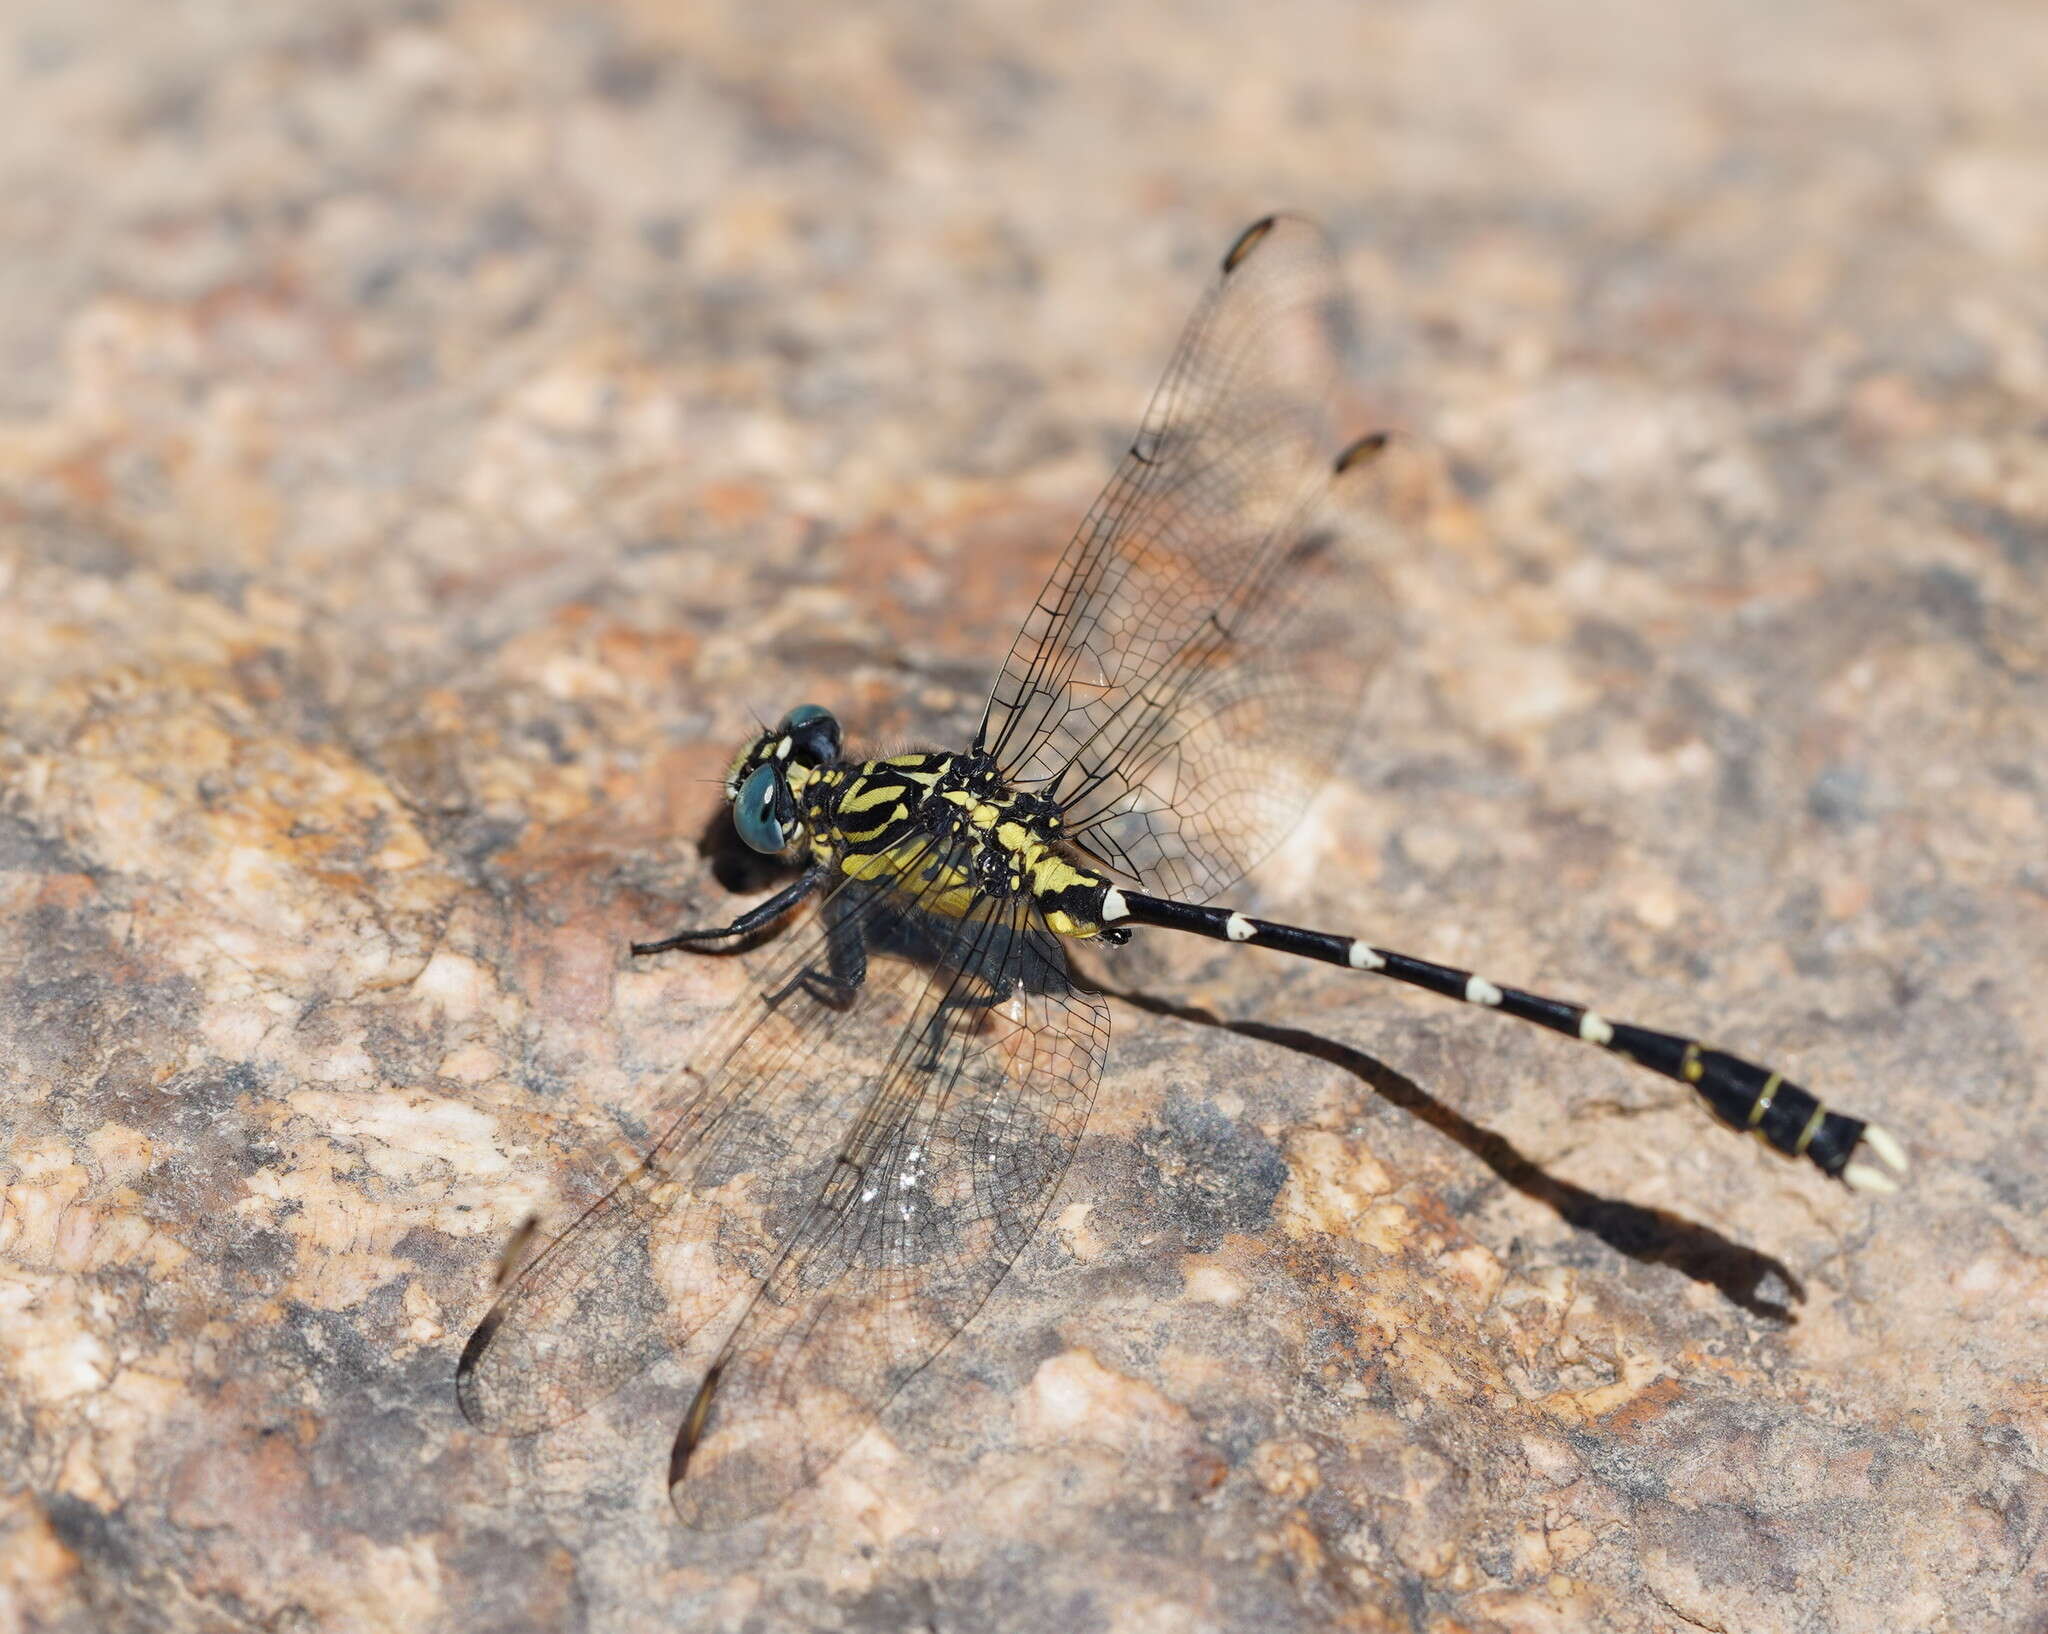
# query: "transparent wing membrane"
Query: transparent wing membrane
{"points": [[686, 1234], [851, 1181], [1185, 681], [943, 1180]]}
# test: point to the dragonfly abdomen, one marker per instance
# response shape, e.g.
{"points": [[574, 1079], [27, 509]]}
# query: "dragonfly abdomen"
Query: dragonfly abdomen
{"points": [[1746, 1097]]}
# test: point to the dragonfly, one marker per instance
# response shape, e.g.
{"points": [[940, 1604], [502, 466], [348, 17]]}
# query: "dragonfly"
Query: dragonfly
{"points": [[854, 1159]]}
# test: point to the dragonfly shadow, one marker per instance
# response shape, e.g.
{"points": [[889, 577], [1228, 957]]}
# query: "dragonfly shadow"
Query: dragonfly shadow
{"points": [[737, 866], [1649, 1236]]}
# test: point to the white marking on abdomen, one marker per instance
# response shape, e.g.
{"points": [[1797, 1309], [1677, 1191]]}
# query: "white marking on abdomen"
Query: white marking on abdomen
{"points": [[1114, 906], [1594, 1028], [1364, 958], [1239, 929], [1478, 990]]}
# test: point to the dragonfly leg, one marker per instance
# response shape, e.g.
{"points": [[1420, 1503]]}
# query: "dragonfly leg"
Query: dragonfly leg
{"points": [[761, 913], [846, 963], [996, 987]]}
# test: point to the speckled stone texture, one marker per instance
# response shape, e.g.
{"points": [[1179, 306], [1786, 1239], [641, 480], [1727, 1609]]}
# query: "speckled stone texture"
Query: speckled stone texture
{"points": [[428, 433]]}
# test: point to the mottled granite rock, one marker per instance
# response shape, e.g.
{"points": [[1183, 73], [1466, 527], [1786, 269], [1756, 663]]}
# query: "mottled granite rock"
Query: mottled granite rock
{"points": [[428, 433]]}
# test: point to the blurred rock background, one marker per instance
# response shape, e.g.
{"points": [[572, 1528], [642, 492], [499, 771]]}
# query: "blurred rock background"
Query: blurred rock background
{"points": [[430, 432]]}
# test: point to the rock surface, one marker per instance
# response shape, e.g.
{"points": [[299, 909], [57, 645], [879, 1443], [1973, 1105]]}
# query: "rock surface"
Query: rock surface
{"points": [[430, 433]]}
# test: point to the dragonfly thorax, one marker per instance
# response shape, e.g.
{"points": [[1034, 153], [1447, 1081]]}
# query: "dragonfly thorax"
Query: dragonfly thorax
{"points": [[949, 826]]}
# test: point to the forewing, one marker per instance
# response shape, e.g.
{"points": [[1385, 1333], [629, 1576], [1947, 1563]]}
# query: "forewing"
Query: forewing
{"points": [[696, 1226], [947, 1174], [1194, 665]]}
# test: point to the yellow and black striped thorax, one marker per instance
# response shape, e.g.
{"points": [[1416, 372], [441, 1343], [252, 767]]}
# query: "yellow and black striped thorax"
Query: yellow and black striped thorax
{"points": [[954, 830]]}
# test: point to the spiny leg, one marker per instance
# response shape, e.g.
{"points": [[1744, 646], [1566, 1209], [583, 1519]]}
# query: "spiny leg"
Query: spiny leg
{"points": [[846, 959], [999, 988], [761, 913], [835, 987], [1744, 1096]]}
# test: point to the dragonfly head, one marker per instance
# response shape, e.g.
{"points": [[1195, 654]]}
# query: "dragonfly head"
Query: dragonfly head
{"points": [[770, 772]]}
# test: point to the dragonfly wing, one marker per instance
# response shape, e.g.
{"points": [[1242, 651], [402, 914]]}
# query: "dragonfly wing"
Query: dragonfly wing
{"points": [[944, 1178], [697, 1225], [1184, 682]]}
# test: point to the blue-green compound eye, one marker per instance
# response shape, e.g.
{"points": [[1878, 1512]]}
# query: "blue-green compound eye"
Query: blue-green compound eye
{"points": [[753, 811], [812, 732]]}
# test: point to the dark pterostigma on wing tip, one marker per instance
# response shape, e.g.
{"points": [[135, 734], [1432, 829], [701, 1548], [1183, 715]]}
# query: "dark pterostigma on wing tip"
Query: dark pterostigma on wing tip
{"points": [[692, 1432], [1247, 241], [1356, 453], [465, 1368]]}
